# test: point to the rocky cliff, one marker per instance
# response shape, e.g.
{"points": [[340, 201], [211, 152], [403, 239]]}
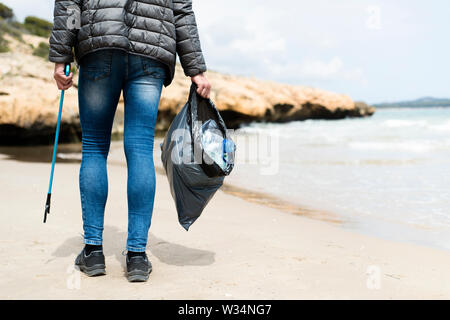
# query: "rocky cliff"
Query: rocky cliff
{"points": [[29, 99]]}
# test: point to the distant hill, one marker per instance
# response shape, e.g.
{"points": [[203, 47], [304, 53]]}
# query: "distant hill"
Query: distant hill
{"points": [[426, 102]]}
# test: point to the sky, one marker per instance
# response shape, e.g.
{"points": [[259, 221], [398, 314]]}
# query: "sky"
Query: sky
{"points": [[374, 51]]}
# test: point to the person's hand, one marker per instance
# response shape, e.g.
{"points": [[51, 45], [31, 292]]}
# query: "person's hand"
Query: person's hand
{"points": [[203, 85], [62, 81]]}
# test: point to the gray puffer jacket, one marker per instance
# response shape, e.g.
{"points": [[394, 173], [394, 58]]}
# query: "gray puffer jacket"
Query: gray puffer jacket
{"points": [[154, 28]]}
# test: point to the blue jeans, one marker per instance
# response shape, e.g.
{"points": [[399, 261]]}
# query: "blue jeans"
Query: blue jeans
{"points": [[103, 76]]}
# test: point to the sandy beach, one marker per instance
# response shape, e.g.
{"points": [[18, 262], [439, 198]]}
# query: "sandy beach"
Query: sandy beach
{"points": [[237, 250]]}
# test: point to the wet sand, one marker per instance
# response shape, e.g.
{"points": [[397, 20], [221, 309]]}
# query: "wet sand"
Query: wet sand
{"points": [[238, 249]]}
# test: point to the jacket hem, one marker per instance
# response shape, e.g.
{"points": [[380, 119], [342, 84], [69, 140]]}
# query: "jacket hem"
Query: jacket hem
{"points": [[60, 59], [171, 69], [194, 72]]}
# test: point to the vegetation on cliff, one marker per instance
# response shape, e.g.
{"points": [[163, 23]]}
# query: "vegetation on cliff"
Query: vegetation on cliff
{"points": [[6, 12], [38, 27], [10, 26], [42, 50]]}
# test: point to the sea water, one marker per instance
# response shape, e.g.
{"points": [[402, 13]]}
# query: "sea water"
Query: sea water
{"points": [[386, 175]]}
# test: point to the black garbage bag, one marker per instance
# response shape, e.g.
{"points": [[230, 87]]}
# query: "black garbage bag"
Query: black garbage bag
{"points": [[197, 153]]}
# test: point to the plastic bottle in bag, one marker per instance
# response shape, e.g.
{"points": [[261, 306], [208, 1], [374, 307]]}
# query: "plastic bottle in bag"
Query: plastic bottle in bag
{"points": [[213, 143], [229, 149]]}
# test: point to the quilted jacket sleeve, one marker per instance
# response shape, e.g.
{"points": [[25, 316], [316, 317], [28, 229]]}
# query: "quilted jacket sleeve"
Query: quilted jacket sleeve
{"points": [[188, 42], [63, 37]]}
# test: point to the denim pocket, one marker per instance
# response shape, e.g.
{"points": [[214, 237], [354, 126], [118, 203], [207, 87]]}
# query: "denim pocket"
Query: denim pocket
{"points": [[153, 68], [97, 65]]}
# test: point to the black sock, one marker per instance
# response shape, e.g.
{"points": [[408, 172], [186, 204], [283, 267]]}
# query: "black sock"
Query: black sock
{"points": [[132, 254], [88, 248]]}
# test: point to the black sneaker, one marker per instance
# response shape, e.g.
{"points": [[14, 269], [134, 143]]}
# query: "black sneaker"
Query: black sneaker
{"points": [[93, 264], [138, 268]]}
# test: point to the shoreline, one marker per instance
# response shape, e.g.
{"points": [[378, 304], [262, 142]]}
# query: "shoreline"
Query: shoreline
{"points": [[281, 204], [236, 250]]}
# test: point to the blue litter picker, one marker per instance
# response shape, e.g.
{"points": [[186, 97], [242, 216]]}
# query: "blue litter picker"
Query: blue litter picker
{"points": [[55, 148]]}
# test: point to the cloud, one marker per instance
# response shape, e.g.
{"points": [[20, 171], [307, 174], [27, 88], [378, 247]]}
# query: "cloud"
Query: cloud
{"points": [[270, 41], [259, 44], [316, 70], [311, 68]]}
